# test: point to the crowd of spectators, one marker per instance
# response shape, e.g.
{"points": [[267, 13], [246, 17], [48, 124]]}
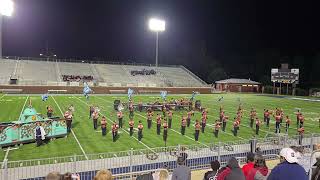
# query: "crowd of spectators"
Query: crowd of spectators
{"points": [[143, 72], [254, 169], [76, 78]]}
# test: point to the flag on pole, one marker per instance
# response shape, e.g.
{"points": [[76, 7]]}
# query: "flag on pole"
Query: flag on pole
{"points": [[163, 94], [194, 93], [44, 97], [130, 93], [86, 90]]}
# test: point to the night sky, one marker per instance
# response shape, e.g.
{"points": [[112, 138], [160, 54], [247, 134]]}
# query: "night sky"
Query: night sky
{"points": [[243, 37]]}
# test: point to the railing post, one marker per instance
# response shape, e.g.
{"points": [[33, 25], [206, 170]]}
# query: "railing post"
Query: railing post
{"points": [[5, 172], [131, 156], [311, 142], [219, 156], [74, 163]]}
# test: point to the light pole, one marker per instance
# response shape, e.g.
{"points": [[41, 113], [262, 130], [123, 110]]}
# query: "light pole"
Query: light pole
{"points": [[157, 26], [6, 9]]}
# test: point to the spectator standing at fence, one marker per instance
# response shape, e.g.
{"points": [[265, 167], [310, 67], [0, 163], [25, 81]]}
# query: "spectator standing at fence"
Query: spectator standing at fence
{"points": [[158, 124], [259, 170], [266, 116], [181, 172], [114, 129], [258, 124], [49, 111], [68, 116], [169, 118], [140, 128], [197, 130], [131, 125], [250, 164], [211, 175], [288, 121], [104, 125], [300, 132], [217, 126], [103, 175], [316, 171], [39, 134], [232, 171], [95, 116], [120, 118], [53, 176], [183, 125], [288, 167]]}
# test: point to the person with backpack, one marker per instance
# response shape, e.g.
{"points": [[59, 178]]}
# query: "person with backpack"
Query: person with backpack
{"points": [[212, 175]]}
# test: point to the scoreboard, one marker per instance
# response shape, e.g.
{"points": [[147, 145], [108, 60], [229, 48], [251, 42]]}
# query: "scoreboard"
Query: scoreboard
{"points": [[287, 76]]}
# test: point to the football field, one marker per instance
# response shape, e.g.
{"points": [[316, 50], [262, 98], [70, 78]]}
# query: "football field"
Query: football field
{"points": [[85, 140]]}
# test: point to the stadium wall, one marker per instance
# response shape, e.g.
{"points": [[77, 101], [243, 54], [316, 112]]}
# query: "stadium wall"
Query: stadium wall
{"points": [[100, 90]]}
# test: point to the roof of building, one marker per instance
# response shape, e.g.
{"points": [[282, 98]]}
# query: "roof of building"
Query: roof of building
{"points": [[236, 81]]}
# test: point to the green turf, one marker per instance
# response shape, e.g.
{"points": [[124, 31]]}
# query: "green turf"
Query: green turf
{"points": [[92, 142]]}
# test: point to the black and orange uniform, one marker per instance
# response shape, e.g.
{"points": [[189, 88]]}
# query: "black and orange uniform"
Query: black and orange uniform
{"points": [[277, 118], [169, 118], [288, 122], [131, 109], [224, 122], [103, 126], [183, 125], [236, 125], [298, 117], [158, 124], [300, 132], [149, 119], [114, 128], [120, 118], [164, 110], [217, 126], [266, 119], [281, 115], [189, 118], [95, 116], [258, 124], [140, 128], [203, 123], [252, 117], [221, 116], [165, 130], [49, 111], [131, 125], [197, 130], [91, 110], [301, 120], [221, 109], [68, 116], [140, 106]]}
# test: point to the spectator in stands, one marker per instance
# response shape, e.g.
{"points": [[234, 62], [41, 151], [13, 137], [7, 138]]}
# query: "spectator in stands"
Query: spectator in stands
{"points": [[288, 167], [316, 171], [210, 175], [54, 176], [260, 170], [103, 175], [70, 176], [161, 174], [181, 172], [232, 171], [250, 163]]}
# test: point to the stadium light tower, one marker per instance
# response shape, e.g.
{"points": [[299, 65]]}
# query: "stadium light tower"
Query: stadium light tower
{"points": [[157, 26], [6, 9]]}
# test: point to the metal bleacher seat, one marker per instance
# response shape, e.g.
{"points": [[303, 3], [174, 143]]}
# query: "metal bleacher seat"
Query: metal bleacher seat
{"points": [[6, 69], [38, 71]]}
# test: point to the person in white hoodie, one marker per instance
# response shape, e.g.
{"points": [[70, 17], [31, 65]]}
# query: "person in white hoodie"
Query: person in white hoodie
{"points": [[39, 134]]}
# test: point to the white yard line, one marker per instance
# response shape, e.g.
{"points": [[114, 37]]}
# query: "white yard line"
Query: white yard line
{"points": [[2, 96], [74, 135], [25, 102], [122, 129], [5, 157]]}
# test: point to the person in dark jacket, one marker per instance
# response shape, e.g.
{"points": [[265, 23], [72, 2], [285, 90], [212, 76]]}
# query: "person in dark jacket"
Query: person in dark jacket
{"points": [[316, 171], [288, 167], [215, 166], [232, 171]]}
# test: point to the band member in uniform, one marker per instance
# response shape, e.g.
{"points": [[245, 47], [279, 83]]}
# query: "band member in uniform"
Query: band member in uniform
{"points": [[288, 121], [203, 123], [131, 109], [68, 117], [221, 115], [158, 124], [183, 125], [197, 130], [301, 120], [163, 109], [114, 128], [258, 124], [224, 122], [217, 126], [253, 114], [131, 125], [104, 125], [189, 118], [266, 115], [95, 116], [49, 111], [39, 134], [149, 118], [300, 132], [120, 118], [140, 128], [298, 115], [140, 106], [235, 127], [170, 118], [165, 130], [91, 110], [277, 118]]}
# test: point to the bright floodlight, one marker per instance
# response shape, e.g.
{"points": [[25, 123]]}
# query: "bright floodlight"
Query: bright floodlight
{"points": [[6, 7], [157, 25]]}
